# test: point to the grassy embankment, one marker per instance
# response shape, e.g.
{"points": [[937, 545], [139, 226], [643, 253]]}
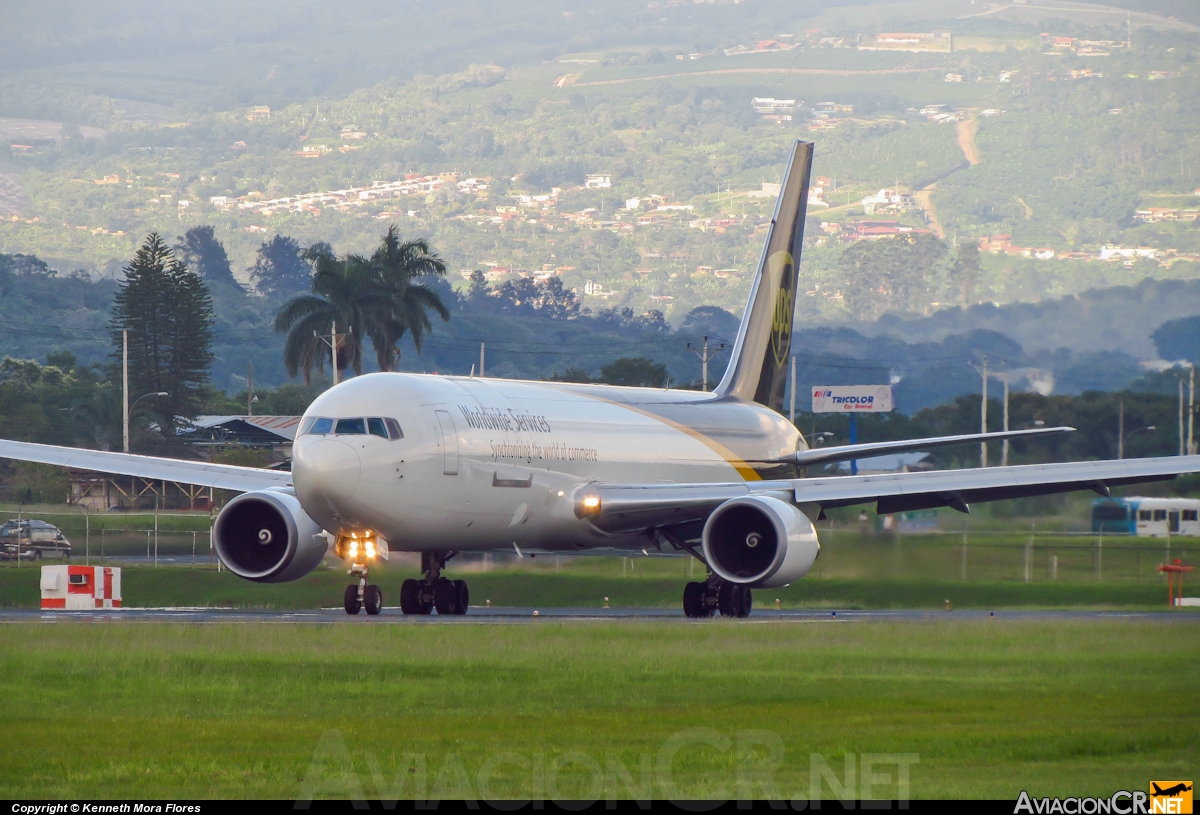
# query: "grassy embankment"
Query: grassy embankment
{"points": [[987, 708]]}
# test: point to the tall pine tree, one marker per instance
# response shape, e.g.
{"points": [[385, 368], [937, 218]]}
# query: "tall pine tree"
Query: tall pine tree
{"points": [[167, 310]]}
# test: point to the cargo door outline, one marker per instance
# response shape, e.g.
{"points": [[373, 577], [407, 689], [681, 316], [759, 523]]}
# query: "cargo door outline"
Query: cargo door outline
{"points": [[449, 442]]}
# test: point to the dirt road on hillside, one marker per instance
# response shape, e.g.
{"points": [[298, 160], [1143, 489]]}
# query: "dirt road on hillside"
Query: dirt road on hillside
{"points": [[966, 139]]}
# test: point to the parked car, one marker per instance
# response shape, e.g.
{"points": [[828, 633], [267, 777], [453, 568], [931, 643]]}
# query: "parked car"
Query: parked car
{"points": [[32, 540]]}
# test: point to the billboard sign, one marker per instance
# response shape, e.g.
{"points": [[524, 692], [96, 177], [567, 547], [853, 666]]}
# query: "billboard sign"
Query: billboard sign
{"points": [[852, 399]]}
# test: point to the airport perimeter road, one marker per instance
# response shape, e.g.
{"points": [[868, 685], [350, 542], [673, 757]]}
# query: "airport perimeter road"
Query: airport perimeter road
{"points": [[511, 615]]}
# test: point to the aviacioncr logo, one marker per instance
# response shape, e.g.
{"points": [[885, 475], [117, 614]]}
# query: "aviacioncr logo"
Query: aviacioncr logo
{"points": [[780, 267]]}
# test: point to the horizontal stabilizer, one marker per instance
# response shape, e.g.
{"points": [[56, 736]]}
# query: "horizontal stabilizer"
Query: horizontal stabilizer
{"points": [[848, 452]]}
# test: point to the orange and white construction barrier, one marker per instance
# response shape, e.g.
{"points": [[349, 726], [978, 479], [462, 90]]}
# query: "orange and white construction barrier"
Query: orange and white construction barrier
{"points": [[79, 588]]}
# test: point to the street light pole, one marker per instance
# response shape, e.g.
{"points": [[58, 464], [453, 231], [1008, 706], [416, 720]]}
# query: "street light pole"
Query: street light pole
{"points": [[129, 410], [1121, 447], [125, 384]]}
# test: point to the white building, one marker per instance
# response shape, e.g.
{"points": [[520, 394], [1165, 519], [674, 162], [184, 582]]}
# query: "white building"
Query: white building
{"points": [[885, 199], [769, 104]]}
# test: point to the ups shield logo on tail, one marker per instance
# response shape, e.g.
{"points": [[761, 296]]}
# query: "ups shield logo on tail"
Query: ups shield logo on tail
{"points": [[780, 265]]}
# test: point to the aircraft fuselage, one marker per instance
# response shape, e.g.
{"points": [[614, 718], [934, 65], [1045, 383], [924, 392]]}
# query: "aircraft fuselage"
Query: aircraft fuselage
{"points": [[489, 463]]}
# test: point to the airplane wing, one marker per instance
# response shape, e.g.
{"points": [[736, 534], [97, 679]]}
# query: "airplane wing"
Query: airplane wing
{"points": [[201, 473], [629, 508], [827, 455]]}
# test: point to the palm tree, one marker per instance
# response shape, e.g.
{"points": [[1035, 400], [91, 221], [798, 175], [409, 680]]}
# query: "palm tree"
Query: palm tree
{"points": [[345, 292], [397, 265], [376, 297]]}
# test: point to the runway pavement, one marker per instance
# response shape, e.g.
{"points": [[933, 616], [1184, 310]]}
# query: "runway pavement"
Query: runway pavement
{"points": [[479, 615]]}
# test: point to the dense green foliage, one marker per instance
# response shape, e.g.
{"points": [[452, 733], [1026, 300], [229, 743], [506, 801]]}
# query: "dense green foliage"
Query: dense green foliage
{"points": [[163, 315], [1179, 339], [1055, 169], [280, 270], [385, 296]]}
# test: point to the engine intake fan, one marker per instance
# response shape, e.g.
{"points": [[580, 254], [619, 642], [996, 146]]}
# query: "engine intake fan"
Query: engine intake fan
{"points": [[759, 541], [267, 537]]}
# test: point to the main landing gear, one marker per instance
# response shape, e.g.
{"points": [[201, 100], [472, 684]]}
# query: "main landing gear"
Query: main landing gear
{"points": [[713, 595], [434, 591]]}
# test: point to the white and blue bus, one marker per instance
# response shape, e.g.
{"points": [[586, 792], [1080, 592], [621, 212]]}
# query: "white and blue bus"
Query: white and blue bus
{"points": [[1147, 517]]}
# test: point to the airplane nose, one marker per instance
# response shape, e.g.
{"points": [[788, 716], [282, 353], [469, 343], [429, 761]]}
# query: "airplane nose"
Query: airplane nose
{"points": [[325, 470]]}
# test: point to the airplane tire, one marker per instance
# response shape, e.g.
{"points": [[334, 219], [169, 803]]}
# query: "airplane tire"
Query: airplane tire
{"points": [[729, 599], [350, 599], [693, 600], [410, 597], [445, 598], [747, 602], [463, 595], [373, 600]]}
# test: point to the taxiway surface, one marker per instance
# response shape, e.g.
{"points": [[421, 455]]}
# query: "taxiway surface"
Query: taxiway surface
{"points": [[481, 615]]}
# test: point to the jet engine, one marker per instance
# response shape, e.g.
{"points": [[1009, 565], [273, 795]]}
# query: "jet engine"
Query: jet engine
{"points": [[267, 537], [759, 541]]}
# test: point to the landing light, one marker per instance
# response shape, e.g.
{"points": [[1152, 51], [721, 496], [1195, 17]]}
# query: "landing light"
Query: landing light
{"points": [[588, 506], [359, 546]]}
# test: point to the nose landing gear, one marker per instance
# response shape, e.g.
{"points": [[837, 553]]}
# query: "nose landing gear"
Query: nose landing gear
{"points": [[360, 595], [449, 597]]}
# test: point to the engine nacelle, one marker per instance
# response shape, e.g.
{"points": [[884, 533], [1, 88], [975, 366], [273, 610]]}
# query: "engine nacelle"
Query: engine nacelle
{"points": [[267, 537], [759, 541]]}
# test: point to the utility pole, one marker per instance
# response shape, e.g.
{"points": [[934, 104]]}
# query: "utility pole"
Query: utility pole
{"points": [[335, 340], [1191, 441], [705, 356], [250, 388], [1121, 430], [792, 412], [983, 372], [481, 348], [1182, 449], [1004, 447], [125, 387]]}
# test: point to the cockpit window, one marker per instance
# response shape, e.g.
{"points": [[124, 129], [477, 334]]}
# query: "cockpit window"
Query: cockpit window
{"points": [[384, 428], [351, 427]]}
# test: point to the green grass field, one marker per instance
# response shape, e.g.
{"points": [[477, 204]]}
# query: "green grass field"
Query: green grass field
{"points": [[984, 708], [145, 587], [981, 569]]}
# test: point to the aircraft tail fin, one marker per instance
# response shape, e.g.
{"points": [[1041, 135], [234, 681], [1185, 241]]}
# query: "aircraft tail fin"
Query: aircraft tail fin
{"points": [[758, 368]]}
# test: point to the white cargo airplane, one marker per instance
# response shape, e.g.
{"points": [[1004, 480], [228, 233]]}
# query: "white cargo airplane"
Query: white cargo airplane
{"points": [[447, 464]]}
